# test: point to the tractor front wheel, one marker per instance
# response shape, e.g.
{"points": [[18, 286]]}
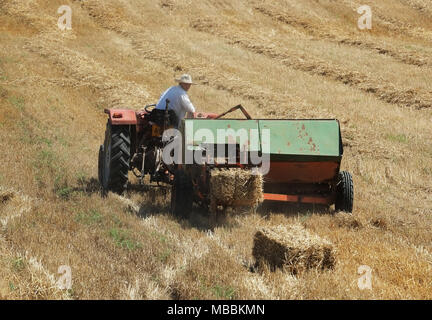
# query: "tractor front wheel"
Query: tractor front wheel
{"points": [[181, 195], [114, 159], [345, 192]]}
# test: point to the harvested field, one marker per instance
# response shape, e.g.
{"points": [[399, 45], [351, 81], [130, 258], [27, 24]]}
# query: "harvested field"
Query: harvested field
{"points": [[327, 29], [304, 62], [288, 59], [12, 205]]}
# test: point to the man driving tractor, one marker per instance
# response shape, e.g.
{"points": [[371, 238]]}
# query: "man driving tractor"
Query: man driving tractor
{"points": [[178, 98], [301, 171]]}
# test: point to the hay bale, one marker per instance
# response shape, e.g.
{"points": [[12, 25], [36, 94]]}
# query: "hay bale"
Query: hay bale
{"points": [[235, 187], [292, 248], [222, 185]]}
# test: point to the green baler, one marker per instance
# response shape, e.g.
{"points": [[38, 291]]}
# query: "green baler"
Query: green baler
{"points": [[300, 159]]}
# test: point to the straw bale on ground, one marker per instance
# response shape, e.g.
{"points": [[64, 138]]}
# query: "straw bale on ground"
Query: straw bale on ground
{"points": [[292, 248]]}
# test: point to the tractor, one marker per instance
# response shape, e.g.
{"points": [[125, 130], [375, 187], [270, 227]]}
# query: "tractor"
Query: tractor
{"points": [[303, 159]]}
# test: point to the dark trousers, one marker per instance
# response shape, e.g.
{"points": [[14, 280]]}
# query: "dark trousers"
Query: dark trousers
{"points": [[157, 116]]}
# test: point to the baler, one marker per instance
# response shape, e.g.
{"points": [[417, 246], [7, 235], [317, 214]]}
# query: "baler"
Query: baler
{"points": [[304, 163]]}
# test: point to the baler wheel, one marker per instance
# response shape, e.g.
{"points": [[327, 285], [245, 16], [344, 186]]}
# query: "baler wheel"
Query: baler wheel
{"points": [[181, 195], [115, 165], [345, 192]]}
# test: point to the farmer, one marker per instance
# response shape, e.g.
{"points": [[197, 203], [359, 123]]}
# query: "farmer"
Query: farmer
{"points": [[178, 99]]}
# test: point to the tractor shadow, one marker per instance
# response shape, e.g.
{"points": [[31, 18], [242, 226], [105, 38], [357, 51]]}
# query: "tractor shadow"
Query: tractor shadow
{"points": [[87, 186], [146, 188], [198, 218], [155, 200]]}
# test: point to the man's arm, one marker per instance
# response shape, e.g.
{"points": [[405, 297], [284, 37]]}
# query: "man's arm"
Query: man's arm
{"points": [[187, 104]]}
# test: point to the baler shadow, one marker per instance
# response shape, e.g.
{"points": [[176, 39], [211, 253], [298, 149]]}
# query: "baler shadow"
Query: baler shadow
{"points": [[202, 220], [197, 219], [289, 209]]}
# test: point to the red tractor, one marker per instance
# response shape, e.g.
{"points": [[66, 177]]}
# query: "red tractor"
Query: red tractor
{"points": [[133, 142]]}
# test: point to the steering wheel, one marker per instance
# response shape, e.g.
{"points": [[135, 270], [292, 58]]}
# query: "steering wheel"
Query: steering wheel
{"points": [[146, 108]]}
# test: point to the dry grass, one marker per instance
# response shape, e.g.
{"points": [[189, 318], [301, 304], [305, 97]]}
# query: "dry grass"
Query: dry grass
{"points": [[294, 59]]}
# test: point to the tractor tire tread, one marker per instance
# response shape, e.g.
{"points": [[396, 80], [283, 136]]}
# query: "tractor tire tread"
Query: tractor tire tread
{"points": [[120, 158]]}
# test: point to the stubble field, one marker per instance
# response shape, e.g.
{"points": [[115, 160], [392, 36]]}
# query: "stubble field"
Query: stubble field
{"points": [[284, 59]]}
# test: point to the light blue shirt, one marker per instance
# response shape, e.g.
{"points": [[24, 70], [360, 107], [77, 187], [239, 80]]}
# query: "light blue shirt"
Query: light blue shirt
{"points": [[179, 102]]}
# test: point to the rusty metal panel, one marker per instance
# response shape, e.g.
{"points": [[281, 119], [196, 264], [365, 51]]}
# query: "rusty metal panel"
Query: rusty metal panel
{"points": [[302, 171]]}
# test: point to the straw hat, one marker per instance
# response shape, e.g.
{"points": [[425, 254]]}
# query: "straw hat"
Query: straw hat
{"points": [[185, 78]]}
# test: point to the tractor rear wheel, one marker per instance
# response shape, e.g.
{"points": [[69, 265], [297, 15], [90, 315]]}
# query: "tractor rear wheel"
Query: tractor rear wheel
{"points": [[101, 163], [345, 192], [181, 195], [115, 162]]}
